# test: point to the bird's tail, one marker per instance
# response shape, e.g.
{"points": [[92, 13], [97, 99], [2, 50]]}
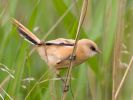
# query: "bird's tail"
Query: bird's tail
{"points": [[24, 32]]}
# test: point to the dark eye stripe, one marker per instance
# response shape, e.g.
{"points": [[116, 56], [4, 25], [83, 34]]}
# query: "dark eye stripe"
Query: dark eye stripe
{"points": [[93, 48]]}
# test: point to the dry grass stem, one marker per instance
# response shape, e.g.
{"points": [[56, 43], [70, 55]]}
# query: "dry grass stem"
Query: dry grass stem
{"points": [[116, 75], [124, 77], [82, 17]]}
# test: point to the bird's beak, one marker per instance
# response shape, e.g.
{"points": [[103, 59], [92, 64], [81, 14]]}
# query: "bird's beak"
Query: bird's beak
{"points": [[98, 51]]}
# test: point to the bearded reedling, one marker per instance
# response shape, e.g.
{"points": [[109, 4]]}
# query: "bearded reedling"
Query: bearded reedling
{"points": [[57, 53]]}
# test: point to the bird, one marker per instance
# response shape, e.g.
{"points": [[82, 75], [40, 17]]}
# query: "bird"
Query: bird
{"points": [[57, 53]]}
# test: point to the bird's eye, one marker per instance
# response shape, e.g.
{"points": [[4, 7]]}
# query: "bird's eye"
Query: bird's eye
{"points": [[92, 48]]}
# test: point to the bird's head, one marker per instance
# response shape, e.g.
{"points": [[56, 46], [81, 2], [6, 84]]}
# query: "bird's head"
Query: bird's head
{"points": [[89, 47]]}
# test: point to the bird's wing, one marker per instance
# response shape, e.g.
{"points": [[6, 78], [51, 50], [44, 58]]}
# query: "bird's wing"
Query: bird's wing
{"points": [[64, 61], [59, 51], [61, 42]]}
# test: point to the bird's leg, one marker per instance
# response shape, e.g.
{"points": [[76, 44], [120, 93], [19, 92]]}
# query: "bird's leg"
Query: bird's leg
{"points": [[59, 76], [63, 81], [72, 57]]}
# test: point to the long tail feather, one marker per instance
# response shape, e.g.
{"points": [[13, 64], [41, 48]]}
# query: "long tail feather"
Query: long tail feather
{"points": [[24, 32]]}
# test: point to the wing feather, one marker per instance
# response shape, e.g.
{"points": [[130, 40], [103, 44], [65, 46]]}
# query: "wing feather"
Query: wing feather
{"points": [[61, 42]]}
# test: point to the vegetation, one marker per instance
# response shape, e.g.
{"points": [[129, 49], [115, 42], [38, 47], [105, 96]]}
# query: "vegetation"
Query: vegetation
{"points": [[23, 75]]}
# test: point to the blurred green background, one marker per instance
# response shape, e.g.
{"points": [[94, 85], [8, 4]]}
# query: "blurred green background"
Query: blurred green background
{"points": [[23, 75]]}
